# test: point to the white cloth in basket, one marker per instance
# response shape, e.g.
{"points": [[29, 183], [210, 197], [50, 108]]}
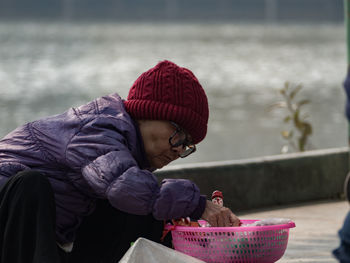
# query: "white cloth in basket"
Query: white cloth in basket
{"points": [[269, 222]]}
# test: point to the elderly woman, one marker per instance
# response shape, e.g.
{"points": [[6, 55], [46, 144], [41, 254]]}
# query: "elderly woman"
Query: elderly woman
{"points": [[79, 187]]}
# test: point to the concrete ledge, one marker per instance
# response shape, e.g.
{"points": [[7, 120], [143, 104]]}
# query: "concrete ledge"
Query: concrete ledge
{"points": [[271, 180]]}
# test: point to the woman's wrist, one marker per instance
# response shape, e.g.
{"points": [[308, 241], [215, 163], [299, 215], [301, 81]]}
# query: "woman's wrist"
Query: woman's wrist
{"points": [[197, 213]]}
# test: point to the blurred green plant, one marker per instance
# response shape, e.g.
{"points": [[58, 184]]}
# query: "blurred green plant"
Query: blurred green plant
{"points": [[301, 130]]}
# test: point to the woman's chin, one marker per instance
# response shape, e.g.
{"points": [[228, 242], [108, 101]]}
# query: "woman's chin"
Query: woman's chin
{"points": [[160, 163]]}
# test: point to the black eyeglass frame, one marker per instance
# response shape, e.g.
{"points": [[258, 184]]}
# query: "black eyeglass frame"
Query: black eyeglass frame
{"points": [[188, 146]]}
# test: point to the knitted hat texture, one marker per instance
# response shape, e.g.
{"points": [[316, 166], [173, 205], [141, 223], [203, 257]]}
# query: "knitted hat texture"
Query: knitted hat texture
{"points": [[169, 92]]}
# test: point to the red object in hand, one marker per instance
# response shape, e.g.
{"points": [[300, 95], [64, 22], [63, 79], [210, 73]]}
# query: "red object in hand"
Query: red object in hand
{"points": [[217, 198], [217, 193]]}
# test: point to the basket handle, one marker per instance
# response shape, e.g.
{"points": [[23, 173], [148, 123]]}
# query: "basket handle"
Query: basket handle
{"points": [[167, 228]]}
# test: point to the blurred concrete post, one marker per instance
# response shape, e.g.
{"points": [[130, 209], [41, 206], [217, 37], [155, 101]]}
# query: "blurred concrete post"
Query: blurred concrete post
{"points": [[271, 10], [347, 25]]}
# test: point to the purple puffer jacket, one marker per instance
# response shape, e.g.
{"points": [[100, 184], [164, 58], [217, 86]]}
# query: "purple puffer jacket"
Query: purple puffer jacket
{"points": [[95, 151]]}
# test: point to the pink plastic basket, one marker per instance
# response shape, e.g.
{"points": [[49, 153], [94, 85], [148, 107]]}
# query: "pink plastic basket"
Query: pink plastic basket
{"points": [[233, 244]]}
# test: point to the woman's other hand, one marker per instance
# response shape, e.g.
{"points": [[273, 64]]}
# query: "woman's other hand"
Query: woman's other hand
{"points": [[218, 216]]}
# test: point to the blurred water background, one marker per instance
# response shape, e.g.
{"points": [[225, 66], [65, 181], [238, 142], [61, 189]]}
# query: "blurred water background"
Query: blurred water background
{"points": [[48, 66]]}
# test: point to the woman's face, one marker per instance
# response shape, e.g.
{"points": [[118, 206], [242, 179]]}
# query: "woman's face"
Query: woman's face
{"points": [[155, 135]]}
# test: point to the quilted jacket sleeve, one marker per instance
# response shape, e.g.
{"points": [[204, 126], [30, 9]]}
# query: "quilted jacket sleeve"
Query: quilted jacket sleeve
{"points": [[101, 154]]}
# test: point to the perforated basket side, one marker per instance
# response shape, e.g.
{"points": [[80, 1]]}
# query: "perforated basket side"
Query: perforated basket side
{"points": [[238, 245]]}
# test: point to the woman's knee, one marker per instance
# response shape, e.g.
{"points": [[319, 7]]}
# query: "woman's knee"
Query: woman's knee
{"points": [[32, 182]]}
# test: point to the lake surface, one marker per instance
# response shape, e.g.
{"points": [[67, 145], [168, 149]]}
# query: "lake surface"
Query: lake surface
{"points": [[47, 67]]}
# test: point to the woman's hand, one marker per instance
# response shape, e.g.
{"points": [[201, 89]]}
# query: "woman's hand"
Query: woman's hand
{"points": [[216, 215]]}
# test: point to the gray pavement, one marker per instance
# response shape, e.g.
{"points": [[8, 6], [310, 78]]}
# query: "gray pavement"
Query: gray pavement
{"points": [[316, 231]]}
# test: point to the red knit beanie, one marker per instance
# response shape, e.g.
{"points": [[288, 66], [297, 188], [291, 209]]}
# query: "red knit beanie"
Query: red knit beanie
{"points": [[170, 92]]}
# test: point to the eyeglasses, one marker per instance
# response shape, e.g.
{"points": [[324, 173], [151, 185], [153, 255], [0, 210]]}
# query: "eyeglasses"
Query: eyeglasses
{"points": [[178, 138]]}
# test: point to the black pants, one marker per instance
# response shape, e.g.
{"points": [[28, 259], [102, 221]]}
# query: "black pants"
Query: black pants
{"points": [[27, 220], [106, 235], [27, 226]]}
